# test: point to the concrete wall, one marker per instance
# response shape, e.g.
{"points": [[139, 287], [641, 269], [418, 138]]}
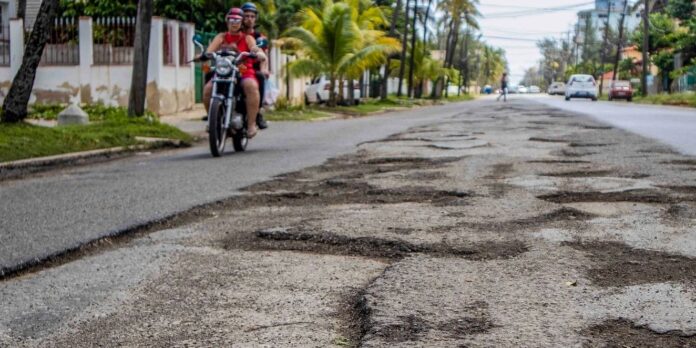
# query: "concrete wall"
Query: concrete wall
{"points": [[170, 88]]}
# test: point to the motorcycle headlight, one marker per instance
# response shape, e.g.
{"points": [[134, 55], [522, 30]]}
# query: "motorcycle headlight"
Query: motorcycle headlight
{"points": [[223, 67]]}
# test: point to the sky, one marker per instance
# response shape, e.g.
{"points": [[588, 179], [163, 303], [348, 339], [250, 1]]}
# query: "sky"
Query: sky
{"points": [[516, 26]]}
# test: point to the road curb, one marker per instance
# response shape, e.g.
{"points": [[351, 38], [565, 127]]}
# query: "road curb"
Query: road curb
{"points": [[19, 168]]}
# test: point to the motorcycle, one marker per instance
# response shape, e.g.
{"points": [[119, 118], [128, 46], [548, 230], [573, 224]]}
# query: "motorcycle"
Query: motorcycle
{"points": [[227, 114]]}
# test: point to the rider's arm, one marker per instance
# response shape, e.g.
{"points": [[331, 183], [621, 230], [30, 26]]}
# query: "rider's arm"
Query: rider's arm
{"points": [[255, 49], [216, 43]]}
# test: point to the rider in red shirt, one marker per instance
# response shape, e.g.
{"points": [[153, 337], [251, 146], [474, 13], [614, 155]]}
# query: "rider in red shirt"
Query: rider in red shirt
{"points": [[236, 39]]}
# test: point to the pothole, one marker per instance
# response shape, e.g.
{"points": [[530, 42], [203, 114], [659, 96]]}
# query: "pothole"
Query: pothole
{"points": [[616, 264], [687, 162], [575, 153], [324, 242], [559, 161], [638, 196], [477, 321], [409, 328], [580, 173], [590, 144], [548, 140], [624, 333]]}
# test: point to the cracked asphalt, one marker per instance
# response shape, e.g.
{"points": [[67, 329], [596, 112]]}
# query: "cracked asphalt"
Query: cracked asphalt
{"points": [[502, 225]]}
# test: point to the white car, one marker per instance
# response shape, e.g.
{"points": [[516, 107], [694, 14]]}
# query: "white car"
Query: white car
{"points": [[534, 89], [317, 91], [581, 86], [522, 89], [557, 88]]}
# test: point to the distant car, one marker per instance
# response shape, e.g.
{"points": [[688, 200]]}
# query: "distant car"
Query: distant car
{"points": [[522, 89], [317, 91], [513, 89], [621, 90], [557, 88], [534, 89], [581, 86], [487, 89]]}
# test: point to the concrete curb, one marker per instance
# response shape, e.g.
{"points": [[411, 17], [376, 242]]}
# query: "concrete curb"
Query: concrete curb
{"points": [[14, 169]]}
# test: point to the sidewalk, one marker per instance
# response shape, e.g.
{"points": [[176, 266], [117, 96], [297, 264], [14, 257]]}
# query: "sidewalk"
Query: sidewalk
{"points": [[189, 121]]}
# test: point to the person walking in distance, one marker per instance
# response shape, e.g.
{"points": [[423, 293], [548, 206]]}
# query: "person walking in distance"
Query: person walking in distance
{"points": [[503, 87]]}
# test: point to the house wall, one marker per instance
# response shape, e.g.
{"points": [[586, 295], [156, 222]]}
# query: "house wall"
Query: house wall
{"points": [[169, 89]]}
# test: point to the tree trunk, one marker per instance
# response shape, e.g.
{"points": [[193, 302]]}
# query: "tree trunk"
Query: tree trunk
{"points": [[384, 91], [351, 92], [646, 44], [448, 42], [465, 65], [404, 42], [603, 54], [21, 8], [620, 43], [413, 50], [17, 99], [332, 91], [141, 48]]}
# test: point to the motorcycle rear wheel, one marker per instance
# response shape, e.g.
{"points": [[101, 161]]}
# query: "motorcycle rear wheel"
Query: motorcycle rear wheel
{"points": [[217, 135]]}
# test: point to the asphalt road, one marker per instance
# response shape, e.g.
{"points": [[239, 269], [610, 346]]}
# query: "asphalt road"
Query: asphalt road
{"points": [[47, 214], [674, 126]]}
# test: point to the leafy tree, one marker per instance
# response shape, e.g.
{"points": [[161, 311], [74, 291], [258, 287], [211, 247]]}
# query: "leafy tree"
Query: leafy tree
{"points": [[681, 9], [330, 42]]}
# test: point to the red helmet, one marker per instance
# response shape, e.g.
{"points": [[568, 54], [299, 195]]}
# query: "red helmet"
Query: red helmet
{"points": [[235, 14]]}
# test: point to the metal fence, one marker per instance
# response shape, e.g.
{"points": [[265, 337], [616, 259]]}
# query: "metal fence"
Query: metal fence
{"points": [[62, 47], [114, 39], [4, 46]]}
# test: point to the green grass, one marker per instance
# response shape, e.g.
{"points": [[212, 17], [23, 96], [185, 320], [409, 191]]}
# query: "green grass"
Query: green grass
{"points": [[375, 105], [295, 114], [110, 127], [678, 99], [456, 98]]}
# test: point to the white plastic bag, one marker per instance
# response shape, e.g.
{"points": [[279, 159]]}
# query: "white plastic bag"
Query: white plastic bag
{"points": [[270, 94]]}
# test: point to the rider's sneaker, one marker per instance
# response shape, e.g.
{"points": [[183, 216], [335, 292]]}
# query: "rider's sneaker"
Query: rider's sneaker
{"points": [[261, 122]]}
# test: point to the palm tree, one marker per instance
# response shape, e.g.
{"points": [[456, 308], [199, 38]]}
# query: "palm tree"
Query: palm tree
{"points": [[330, 42]]}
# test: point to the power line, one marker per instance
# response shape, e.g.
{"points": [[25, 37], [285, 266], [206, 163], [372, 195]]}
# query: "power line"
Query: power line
{"points": [[536, 11]]}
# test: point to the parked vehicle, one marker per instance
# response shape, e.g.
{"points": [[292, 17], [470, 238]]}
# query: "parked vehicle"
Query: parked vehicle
{"points": [[227, 114], [487, 89], [557, 88], [522, 89], [621, 90], [534, 89], [581, 86], [513, 89], [317, 91]]}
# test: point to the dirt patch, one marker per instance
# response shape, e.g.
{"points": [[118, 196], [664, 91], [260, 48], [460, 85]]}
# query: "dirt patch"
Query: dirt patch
{"points": [[570, 153], [624, 333], [500, 171], [409, 328], [580, 173], [616, 264], [638, 196], [330, 243], [477, 321], [681, 211], [548, 140], [354, 315]]}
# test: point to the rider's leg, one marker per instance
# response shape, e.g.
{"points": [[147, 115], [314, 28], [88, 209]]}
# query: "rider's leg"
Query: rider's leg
{"points": [[262, 81], [251, 94], [207, 94]]}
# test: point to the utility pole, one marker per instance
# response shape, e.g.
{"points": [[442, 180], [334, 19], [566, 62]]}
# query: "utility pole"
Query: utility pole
{"points": [[413, 50], [619, 45], [141, 49], [646, 43], [604, 49]]}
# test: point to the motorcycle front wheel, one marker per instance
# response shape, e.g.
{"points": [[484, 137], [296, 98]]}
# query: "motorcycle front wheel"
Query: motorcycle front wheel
{"points": [[217, 135]]}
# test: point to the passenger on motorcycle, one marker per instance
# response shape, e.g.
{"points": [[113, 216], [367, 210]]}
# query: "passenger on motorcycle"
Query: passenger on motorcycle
{"points": [[261, 67], [235, 39]]}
